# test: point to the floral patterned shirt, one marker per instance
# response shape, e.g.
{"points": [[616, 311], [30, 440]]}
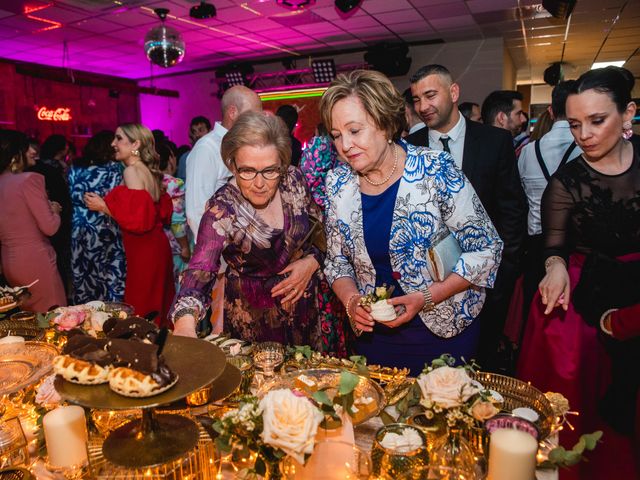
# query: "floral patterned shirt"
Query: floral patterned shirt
{"points": [[434, 198]]}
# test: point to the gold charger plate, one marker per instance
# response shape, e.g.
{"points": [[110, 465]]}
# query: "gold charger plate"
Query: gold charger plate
{"points": [[23, 364], [220, 389], [330, 378], [197, 363]]}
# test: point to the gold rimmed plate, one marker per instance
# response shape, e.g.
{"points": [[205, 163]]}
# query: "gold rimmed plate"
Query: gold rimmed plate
{"points": [[329, 379], [196, 362], [23, 364]]}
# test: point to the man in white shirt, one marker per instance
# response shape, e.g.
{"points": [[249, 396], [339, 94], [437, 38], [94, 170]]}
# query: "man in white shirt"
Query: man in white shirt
{"points": [[206, 172], [537, 162]]}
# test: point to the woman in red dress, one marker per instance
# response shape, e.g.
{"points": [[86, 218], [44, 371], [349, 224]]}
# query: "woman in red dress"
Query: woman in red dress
{"points": [[141, 209]]}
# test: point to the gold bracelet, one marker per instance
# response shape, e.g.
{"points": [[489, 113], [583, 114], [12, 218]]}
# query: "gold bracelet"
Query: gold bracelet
{"points": [[553, 259], [352, 322], [428, 300]]}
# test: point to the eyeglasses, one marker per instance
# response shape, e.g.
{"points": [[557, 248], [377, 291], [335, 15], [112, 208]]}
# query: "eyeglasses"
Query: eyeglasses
{"points": [[270, 173]]}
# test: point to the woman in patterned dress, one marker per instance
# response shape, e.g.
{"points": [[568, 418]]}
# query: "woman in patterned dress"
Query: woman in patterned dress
{"points": [[258, 222], [98, 266], [387, 205], [318, 158]]}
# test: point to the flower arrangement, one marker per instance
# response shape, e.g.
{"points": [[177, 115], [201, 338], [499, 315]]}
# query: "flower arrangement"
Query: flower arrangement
{"points": [[89, 316], [449, 392]]}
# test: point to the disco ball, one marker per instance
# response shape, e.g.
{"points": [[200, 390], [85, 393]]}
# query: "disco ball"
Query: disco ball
{"points": [[164, 46]]}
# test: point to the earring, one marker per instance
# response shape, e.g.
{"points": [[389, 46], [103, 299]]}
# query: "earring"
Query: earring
{"points": [[135, 153], [627, 132], [389, 141]]}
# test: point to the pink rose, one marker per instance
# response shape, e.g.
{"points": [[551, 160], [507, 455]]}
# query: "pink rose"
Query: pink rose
{"points": [[482, 410], [70, 318]]}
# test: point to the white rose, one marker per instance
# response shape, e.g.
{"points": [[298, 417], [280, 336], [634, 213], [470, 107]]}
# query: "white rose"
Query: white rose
{"points": [[290, 423], [447, 386]]}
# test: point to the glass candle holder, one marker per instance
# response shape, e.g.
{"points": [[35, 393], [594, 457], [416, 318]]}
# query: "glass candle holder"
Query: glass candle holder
{"points": [[244, 363], [268, 357], [439, 472], [331, 460], [13, 444], [391, 463], [433, 428]]}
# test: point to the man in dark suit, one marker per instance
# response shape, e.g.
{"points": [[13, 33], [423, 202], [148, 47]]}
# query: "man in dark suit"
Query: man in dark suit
{"points": [[486, 156]]}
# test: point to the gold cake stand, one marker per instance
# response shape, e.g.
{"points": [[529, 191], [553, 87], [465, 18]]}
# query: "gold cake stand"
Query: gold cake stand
{"points": [[155, 438]]}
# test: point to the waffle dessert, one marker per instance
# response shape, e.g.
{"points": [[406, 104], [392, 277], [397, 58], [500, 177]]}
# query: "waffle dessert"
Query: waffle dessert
{"points": [[84, 360], [7, 303], [139, 370], [131, 328]]}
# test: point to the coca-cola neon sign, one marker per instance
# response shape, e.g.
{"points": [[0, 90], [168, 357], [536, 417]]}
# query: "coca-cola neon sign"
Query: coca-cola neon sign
{"points": [[61, 114]]}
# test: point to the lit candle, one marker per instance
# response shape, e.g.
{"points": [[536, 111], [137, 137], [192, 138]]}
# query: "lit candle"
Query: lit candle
{"points": [[512, 455], [65, 433]]}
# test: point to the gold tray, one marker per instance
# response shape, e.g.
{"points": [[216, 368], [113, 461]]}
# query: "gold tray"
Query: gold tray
{"points": [[331, 378], [518, 394], [23, 364], [220, 389], [197, 363], [28, 330]]}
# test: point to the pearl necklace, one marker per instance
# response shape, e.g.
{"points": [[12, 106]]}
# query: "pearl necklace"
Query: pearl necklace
{"points": [[393, 170]]}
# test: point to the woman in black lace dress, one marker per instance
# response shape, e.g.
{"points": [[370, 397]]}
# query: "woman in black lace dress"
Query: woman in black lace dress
{"points": [[591, 228]]}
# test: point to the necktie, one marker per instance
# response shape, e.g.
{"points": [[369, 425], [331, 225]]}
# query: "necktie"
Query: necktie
{"points": [[445, 143]]}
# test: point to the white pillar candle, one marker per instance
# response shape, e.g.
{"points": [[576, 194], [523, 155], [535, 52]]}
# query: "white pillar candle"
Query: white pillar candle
{"points": [[65, 433], [512, 455]]}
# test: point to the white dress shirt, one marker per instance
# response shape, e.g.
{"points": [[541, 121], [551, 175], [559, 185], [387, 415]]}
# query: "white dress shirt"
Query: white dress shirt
{"points": [[456, 140], [553, 146], [206, 173]]}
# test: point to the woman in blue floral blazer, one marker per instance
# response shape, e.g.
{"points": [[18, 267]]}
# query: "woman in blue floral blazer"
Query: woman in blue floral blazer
{"points": [[387, 205]]}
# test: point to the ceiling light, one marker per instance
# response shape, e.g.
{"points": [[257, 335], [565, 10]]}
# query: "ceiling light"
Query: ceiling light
{"points": [[164, 45], [617, 63], [296, 4], [202, 11], [346, 6]]}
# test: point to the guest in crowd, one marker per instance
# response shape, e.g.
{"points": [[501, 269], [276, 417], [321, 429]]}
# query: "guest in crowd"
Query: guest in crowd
{"points": [[52, 166], [387, 205], [27, 218], [289, 116], [257, 222], [198, 128], [177, 231], [486, 156], [470, 111], [413, 120], [97, 255], [141, 209], [542, 127], [33, 153], [318, 158], [503, 109], [591, 229]]}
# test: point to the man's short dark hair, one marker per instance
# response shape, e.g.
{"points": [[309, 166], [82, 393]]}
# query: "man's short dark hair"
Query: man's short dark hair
{"points": [[431, 69], [559, 98], [289, 114], [498, 101], [200, 119], [466, 108], [408, 100]]}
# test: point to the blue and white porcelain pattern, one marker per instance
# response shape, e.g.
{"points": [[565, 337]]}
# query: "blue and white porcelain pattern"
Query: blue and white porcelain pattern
{"points": [[434, 198]]}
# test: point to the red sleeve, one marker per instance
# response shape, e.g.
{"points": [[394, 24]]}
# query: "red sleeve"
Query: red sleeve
{"points": [[625, 323], [134, 210], [35, 196], [166, 209]]}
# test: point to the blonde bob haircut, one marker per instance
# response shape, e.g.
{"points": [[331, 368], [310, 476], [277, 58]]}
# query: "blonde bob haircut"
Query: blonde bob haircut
{"points": [[147, 149], [380, 99], [254, 129]]}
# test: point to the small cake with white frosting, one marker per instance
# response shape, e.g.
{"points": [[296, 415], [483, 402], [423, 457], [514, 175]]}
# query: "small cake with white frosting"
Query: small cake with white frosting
{"points": [[377, 302]]}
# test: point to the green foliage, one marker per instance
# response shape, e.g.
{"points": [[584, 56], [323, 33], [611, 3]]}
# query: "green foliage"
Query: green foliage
{"points": [[561, 457]]}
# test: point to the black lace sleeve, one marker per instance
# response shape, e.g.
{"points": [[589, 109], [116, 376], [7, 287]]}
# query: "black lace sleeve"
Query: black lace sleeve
{"points": [[556, 208]]}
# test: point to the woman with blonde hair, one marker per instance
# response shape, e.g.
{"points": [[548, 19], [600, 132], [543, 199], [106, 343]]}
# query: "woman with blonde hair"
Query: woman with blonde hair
{"points": [[141, 208], [388, 205], [259, 223]]}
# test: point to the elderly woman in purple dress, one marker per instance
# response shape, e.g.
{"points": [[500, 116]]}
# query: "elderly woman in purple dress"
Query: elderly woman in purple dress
{"points": [[259, 224]]}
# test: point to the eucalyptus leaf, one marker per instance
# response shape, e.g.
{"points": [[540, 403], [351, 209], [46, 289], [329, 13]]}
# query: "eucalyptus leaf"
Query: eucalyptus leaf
{"points": [[591, 439], [386, 418], [322, 398], [348, 382]]}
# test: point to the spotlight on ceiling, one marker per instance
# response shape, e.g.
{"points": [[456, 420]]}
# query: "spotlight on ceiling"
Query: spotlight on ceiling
{"points": [[235, 74], [324, 71], [390, 59], [346, 6], [202, 11], [559, 8], [164, 45], [296, 4]]}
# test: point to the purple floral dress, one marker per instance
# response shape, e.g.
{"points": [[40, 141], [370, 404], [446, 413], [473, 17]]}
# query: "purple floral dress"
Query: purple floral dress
{"points": [[254, 253]]}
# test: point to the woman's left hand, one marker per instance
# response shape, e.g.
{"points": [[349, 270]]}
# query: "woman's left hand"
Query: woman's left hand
{"points": [[411, 303], [299, 273], [94, 202]]}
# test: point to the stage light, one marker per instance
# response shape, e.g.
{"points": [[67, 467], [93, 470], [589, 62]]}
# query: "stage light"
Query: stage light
{"points": [[346, 6], [235, 78], [324, 71], [164, 45], [202, 11]]}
